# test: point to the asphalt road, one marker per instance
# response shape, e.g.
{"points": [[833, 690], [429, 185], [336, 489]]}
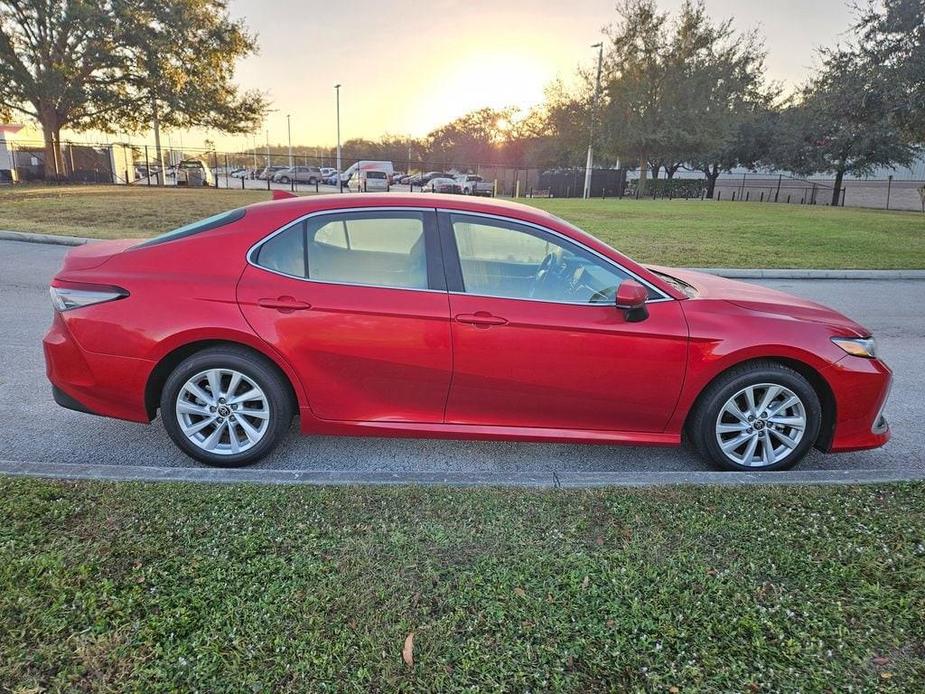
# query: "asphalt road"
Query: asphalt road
{"points": [[35, 430]]}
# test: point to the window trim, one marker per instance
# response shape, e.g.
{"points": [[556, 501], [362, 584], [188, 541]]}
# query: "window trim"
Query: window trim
{"points": [[453, 266], [432, 250]]}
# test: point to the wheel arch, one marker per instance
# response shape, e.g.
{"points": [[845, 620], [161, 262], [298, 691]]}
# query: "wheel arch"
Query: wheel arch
{"points": [[809, 372], [171, 359]]}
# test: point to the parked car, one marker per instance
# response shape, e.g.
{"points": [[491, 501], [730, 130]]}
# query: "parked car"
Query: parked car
{"points": [[300, 174], [194, 172], [470, 318], [373, 181], [442, 185], [328, 171], [242, 173], [473, 184], [333, 178], [268, 171], [396, 177]]}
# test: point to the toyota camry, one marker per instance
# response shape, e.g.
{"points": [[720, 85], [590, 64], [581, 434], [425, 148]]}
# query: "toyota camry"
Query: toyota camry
{"points": [[447, 316]]}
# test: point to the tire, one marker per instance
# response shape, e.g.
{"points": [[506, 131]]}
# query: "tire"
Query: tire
{"points": [[250, 428], [781, 440], [312, 181], [284, 180]]}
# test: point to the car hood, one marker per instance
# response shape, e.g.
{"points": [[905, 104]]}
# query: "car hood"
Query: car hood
{"points": [[763, 300]]}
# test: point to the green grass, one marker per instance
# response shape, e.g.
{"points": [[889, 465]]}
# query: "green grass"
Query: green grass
{"points": [[181, 587], [726, 234], [671, 232], [113, 212]]}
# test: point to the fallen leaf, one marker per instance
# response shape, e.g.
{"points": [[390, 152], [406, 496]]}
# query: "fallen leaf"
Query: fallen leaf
{"points": [[407, 653], [611, 624], [673, 690], [886, 675], [584, 583], [520, 592], [880, 660], [599, 541]]}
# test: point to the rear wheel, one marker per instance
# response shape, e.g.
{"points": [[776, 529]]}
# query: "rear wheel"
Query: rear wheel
{"points": [[761, 416], [226, 406], [284, 180]]}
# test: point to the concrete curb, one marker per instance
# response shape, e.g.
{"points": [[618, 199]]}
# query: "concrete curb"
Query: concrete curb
{"points": [[812, 274], [43, 238], [732, 273], [552, 479]]}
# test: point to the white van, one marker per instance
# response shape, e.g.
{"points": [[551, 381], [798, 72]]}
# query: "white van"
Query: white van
{"points": [[352, 175], [373, 181]]}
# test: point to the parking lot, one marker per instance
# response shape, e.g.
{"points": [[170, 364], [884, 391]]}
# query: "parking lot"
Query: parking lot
{"points": [[38, 431]]}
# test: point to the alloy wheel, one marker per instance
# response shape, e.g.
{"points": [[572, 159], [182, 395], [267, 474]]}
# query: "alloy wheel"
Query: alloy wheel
{"points": [[223, 411], [761, 425]]}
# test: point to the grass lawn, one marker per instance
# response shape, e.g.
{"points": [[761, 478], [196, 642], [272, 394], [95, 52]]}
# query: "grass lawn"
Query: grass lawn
{"points": [[240, 588], [676, 232]]}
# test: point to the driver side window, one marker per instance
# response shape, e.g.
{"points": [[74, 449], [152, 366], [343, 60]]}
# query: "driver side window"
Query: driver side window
{"points": [[513, 261]]}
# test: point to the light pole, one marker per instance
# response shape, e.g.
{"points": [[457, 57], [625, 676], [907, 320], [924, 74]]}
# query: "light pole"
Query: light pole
{"points": [[337, 91], [289, 134], [597, 89]]}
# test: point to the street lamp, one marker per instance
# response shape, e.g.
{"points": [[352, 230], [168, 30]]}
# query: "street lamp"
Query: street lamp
{"points": [[289, 134], [597, 88], [337, 91]]}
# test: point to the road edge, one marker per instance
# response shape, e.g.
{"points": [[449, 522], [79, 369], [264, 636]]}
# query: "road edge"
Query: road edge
{"points": [[551, 479], [731, 273]]}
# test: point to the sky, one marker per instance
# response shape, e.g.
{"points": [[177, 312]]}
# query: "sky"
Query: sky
{"points": [[408, 66]]}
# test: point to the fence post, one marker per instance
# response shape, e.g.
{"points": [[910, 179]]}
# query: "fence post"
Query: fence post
{"points": [[762, 196], [747, 195], [719, 195], [147, 166], [889, 186], [779, 177], [227, 173], [733, 196], [843, 196], [788, 198]]}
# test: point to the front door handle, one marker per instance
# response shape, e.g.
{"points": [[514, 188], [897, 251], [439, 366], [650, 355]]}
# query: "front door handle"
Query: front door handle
{"points": [[483, 319], [284, 304]]}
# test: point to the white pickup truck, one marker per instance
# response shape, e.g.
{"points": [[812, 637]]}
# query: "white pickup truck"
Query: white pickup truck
{"points": [[472, 184]]}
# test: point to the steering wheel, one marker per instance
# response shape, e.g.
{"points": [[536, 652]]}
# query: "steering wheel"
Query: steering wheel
{"points": [[544, 271]]}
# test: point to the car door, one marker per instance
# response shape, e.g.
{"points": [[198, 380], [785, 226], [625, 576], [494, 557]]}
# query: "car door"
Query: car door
{"points": [[538, 340], [357, 302]]}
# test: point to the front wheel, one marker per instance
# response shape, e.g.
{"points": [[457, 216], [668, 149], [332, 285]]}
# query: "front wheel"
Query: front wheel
{"points": [[284, 180], [226, 406], [761, 416]]}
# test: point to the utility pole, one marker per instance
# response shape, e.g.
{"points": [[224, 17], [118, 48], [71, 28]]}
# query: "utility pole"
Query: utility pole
{"points": [[337, 91], [597, 89], [289, 133]]}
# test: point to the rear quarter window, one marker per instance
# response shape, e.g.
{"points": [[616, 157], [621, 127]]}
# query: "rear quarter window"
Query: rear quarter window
{"points": [[207, 224]]}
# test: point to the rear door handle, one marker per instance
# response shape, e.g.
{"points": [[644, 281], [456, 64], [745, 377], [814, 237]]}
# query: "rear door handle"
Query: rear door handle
{"points": [[285, 304], [481, 319]]}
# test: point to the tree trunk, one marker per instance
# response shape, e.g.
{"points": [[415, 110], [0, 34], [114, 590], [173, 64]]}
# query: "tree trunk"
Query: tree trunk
{"points": [[670, 171], [159, 153], [711, 181], [643, 172], [836, 187], [52, 158], [655, 169]]}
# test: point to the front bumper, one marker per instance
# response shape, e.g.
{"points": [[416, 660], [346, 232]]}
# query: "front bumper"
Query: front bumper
{"points": [[861, 388], [102, 384]]}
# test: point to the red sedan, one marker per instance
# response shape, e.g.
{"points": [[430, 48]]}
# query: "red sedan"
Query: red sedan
{"points": [[446, 316]]}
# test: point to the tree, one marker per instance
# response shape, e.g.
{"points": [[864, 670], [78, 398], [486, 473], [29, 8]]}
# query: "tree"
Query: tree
{"points": [[180, 58], [122, 65], [682, 91], [892, 41], [475, 138], [59, 62], [839, 124]]}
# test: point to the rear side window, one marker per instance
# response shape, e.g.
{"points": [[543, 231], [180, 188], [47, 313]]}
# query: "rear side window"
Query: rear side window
{"points": [[383, 249], [207, 224]]}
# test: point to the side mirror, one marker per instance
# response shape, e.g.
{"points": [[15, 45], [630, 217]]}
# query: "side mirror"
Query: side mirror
{"points": [[631, 299]]}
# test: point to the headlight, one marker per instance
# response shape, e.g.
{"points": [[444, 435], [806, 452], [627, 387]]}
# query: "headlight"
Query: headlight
{"points": [[66, 298], [858, 346]]}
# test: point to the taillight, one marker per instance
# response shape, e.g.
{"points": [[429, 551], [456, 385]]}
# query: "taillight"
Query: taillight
{"points": [[78, 296]]}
